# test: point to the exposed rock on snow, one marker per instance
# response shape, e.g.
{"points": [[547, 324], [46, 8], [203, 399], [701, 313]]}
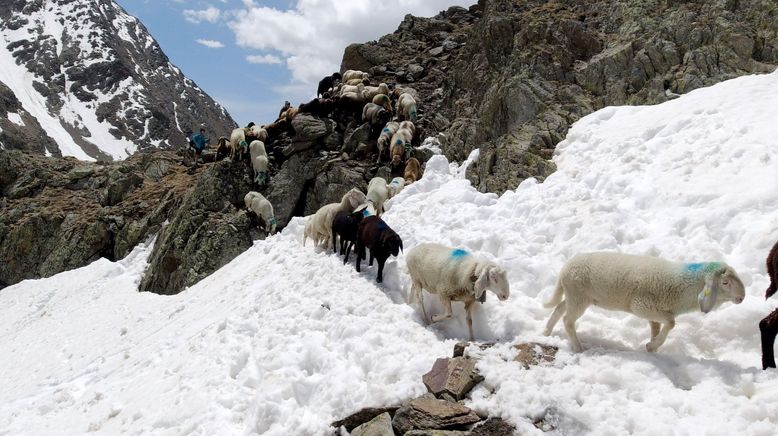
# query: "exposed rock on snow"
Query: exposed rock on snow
{"points": [[453, 377], [533, 353], [427, 413]]}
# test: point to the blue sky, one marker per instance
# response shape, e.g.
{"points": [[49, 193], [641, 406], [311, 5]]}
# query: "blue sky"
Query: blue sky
{"points": [[251, 55]]}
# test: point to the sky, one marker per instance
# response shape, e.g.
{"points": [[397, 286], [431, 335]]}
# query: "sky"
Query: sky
{"points": [[251, 55]]}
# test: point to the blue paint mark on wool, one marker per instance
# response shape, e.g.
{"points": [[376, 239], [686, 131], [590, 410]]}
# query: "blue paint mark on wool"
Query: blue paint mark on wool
{"points": [[459, 253], [696, 268]]}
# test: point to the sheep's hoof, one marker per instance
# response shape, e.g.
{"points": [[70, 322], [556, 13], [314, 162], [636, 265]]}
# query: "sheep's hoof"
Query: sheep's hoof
{"points": [[651, 348], [547, 332]]}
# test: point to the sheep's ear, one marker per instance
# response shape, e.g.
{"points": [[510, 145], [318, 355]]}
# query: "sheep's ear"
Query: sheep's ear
{"points": [[707, 297], [480, 284]]}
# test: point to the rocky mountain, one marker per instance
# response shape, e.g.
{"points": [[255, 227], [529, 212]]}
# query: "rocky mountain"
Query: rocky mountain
{"points": [[511, 77], [85, 79], [506, 77]]}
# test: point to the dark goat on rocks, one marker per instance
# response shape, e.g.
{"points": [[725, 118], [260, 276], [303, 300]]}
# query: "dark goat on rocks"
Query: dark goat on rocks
{"points": [[322, 107], [326, 83], [768, 327], [380, 239], [346, 225]]}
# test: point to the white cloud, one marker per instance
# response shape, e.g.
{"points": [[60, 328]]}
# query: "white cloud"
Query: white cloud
{"points": [[313, 35], [264, 59], [211, 15], [210, 43]]}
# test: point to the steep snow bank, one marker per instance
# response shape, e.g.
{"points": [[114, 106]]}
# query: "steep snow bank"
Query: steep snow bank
{"points": [[285, 339]]}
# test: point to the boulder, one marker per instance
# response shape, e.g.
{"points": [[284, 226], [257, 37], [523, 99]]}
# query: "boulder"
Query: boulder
{"points": [[427, 413], [381, 425], [362, 416], [453, 376], [493, 427]]}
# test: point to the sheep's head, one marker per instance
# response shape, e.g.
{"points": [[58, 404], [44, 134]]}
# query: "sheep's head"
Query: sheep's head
{"points": [[391, 243], [355, 197], [723, 279], [384, 116], [493, 278], [336, 76]]}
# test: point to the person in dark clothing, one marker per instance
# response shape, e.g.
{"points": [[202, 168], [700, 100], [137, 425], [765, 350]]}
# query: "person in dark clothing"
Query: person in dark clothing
{"points": [[199, 141], [287, 105]]}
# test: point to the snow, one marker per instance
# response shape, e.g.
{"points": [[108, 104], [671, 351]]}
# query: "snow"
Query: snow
{"points": [[15, 118], [285, 339]]}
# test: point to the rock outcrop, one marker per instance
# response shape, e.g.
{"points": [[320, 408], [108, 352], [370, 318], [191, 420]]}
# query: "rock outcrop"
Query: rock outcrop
{"points": [[511, 77]]}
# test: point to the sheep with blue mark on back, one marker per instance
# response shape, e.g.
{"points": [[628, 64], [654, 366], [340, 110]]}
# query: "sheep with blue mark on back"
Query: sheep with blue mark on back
{"points": [[395, 186], [453, 274], [646, 286], [400, 144], [259, 162], [385, 138], [406, 107]]}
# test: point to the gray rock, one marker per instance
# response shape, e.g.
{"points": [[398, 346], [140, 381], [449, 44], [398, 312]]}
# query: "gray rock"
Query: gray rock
{"points": [[309, 128], [533, 354], [437, 433], [453, 376], [381, 425], [437, 51], [428, 413], [362, 416], [493, 427]]}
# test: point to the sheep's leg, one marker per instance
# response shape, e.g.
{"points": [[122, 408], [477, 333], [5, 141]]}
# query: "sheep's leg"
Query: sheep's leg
{"points": [[468, 308], [360, 253], [349, 245], [574, 310], [558, 312], [371, 259], [447, 307], [380, 276], [768, 329], [669, 323], [654, 329], [418, 294]]}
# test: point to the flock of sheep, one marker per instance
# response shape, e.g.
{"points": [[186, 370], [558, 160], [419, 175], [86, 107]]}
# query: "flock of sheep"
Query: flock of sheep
{"points": [[648, 287]]}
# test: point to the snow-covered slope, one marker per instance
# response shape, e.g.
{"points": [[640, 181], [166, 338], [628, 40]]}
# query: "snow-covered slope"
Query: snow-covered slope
{"points": [[285, 339], [87, 80]]}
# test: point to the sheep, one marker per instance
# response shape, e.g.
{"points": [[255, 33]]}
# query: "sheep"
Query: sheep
{"points": [[310, 232], [377, 194], [345, 89], [401, 143], [289, 114], [454, 275], [384, 139], [768, 327], [327, 83], [345, 225], [412, 171], [372, 91], [375, 114], [408, 125], [223, 147], [322, 220], [648, 287], [239, 146], [384, 101], [258, 132], [395, 186], [354, 74], [257, 203], [375, 235], [258, 161], [318, 106], [274, 129], [406, 107], [354, 82]]}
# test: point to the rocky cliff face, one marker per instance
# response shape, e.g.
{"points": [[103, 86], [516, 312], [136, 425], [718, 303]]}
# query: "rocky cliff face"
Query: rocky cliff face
{"points": [[511, 77], [85, 79]]}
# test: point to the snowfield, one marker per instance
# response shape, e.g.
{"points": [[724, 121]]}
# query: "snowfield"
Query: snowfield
{"points": [[285, 339]]}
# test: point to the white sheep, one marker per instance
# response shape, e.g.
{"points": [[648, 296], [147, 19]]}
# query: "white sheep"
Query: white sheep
{"points": [[406, 107], [258, 204], [401, 144], [395, 186], [372, 91], [377, 194], [258, 161], [321, 221], [649, 287], [238, 144], [258, 132], [354, 82], [354, 74], [345, 89], [385, 138], [309, 232], [454, 275], [355, 97], [408, 125]]}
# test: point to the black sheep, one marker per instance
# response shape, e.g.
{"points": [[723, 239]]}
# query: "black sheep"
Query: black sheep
{"points": [[768, 327], [380, 239], [326, 83], [346, 224], [322, 107]]}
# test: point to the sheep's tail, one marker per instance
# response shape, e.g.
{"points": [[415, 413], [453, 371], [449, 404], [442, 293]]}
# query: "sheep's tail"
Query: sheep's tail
{"points": [[559, 292]]}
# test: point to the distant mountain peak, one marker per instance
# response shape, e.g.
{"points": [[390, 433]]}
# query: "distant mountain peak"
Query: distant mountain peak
{"points": [[86, 79]]}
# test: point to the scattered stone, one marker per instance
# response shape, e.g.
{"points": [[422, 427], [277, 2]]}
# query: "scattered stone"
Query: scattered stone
{"points": [[436, 51], [533, 353], [378, 426], [453, 376], [415, 71], [493, 427], [365, 415], [429, 413], [449, 45], [459, 348], [437, 433]]}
